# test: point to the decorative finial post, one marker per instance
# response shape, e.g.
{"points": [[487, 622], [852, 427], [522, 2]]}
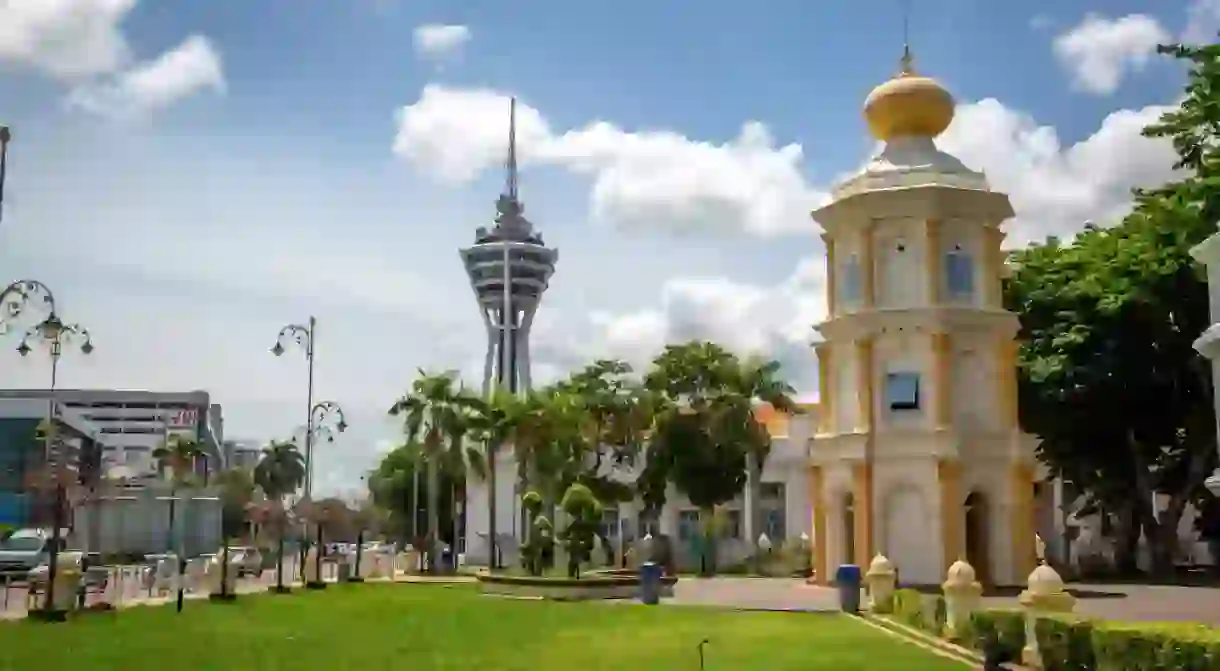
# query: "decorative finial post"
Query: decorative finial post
{"points": [[907, 67], [907, 63]]}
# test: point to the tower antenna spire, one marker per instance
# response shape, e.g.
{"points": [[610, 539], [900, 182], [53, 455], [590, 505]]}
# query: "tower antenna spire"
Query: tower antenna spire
{"points": [[907, 62], [510, 165]]}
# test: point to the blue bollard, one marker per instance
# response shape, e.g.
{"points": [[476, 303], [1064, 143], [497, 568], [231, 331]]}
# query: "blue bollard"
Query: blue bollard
{"points": [[650, 583], [848, 580]]}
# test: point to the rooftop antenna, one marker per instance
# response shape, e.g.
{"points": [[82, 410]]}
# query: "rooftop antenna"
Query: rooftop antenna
{"points": [[510, 185]]}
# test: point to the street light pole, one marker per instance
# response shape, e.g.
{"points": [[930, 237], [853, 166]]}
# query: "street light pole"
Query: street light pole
{"points": [[54, 333], [326, 419], [6, 136], [304, 336]]}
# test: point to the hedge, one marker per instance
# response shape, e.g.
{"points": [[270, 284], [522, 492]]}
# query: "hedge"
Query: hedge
{"points": [[1000, 628], [912, 609], [1075, 643]]}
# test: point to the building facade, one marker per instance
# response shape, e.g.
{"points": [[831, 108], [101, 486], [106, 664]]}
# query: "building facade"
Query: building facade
{"points": [[785, 515], [132, 424], [919, 455], [24, 456]]}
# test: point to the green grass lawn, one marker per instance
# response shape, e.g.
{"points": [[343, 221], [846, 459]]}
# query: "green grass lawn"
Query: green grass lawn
{"points": [[432, 627]]}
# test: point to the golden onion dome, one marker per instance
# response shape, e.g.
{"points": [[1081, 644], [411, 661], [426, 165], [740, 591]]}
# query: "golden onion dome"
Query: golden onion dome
{"points": [[908, 105]]}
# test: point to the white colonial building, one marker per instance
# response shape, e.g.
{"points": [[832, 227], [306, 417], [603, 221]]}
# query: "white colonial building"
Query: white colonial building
{"points": [[785, 515]]}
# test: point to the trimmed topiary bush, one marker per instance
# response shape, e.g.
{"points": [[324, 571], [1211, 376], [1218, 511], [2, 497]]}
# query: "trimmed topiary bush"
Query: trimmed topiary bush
{"points": [[1066, 643], [1000, 629], [1122, 646], [908, 608]]}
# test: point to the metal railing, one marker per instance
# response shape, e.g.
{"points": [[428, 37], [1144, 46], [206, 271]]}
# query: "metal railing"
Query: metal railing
{"points": [[131, 585]]}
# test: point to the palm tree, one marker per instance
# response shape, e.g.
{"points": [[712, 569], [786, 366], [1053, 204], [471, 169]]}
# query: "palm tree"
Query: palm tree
{"points": [[279, 472], [494, 424], [177, 455], [758, 381], [237, 493], [437, 416]]}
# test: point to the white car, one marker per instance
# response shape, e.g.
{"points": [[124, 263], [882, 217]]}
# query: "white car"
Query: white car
{"points": [[247, 560]]}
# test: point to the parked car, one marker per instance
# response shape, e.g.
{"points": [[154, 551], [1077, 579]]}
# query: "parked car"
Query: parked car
{"points": [[26, 549], [247, 560]]}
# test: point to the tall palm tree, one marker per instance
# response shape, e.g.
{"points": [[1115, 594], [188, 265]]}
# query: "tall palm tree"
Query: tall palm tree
{"points": [[237, 494], [758, 381], [177, 455], [436, 415], [494, 424], [279, 472]]}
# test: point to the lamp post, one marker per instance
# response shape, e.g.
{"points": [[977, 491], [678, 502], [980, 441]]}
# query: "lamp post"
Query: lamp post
{"points": [[54, 334], [6, 136], [326, 420], [304, 336]]}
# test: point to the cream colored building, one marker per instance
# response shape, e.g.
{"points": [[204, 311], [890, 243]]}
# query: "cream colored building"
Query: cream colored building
{"points": [[918, 454]]}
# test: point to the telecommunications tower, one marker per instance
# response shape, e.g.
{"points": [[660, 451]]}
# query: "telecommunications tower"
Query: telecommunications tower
{"points": [[509, 269]]}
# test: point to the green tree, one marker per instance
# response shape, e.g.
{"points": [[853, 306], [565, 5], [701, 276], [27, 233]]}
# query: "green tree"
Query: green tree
{"points": [[584, 514], [702, 432], [436, 416], [178, 456], [237, 495], [494, 423], [280, 471], [1109, 380], [759, 381]]}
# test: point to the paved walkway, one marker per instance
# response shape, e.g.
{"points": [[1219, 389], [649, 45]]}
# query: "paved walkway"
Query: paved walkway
{"points": [[1139, 602], [754, 594]]}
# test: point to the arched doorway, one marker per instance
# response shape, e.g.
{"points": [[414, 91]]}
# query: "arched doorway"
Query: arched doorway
{"points": [[978, 542], [849, 529]]}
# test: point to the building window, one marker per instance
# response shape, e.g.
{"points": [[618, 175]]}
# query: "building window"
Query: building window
{"points": [[775, 526], [609, 524], [688, 524], [732, 525], [902, 391], [959, 274], [772, 491], [849, 291]]}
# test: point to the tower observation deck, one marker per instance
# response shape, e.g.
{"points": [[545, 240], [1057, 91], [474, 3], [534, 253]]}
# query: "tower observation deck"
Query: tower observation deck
{"points": [[509, 268]]}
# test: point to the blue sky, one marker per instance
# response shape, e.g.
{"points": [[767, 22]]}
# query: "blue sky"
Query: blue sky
{"points": [[189, 177]]}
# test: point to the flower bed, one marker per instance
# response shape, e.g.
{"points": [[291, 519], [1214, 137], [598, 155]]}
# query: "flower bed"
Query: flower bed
{"points": [[615, 584]]}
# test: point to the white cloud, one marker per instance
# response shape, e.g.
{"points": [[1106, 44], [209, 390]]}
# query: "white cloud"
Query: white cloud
{"points": [[82, 42], [643, 179], [1099, 52], [664, 180], [1056, 188], [191, 67], [65, 38], [437, 42], [1202, 22]]}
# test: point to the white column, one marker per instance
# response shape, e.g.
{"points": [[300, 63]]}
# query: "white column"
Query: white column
{"points": [[1208, 344]]}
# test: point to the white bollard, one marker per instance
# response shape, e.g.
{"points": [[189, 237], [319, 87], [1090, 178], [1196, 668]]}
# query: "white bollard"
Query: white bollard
{"points": [[962, 592], [1045, 596], [311, 566], [881, 579]]}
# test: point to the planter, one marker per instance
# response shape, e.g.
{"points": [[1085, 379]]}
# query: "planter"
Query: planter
{"points": [[613, 584]]}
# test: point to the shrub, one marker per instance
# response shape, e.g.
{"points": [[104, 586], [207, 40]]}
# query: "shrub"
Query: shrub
{"points": [[1000, 628], [1066, 643], [1144, 646], [939, 616], [908, 608]]}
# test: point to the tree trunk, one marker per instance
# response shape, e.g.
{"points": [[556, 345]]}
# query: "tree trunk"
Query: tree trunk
{"points": [[754, 503], [434, 517], [707, 561], [493, 557], [1127, 539]]}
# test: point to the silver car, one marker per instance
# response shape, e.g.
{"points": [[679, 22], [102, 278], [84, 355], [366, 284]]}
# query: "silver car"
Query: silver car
{"points": [[247, 560]]}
